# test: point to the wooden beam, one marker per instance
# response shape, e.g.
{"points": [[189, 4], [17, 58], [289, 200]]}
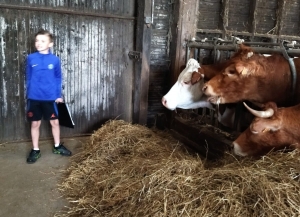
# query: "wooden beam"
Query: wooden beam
{"points": [[224, 17], [204, 139], [253, 17], [183, 29], [280, 16], [142, 66]]}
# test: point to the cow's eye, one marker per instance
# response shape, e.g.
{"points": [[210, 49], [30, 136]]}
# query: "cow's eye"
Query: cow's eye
{"points": [[230, 73], [186, 82]]}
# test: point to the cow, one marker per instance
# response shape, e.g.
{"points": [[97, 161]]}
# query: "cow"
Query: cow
{"points": [[187, 93], [254, 77], [272, 129]]}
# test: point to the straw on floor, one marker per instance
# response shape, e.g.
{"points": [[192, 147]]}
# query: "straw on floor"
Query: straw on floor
{"points": [[131, 170]]}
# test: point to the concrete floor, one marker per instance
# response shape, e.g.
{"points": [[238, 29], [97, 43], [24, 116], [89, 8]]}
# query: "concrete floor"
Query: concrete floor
{"points": [[31, 189]]}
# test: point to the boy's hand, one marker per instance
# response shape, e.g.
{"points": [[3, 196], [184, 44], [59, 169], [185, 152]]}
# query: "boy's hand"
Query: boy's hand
{"points": [[58, 100]]}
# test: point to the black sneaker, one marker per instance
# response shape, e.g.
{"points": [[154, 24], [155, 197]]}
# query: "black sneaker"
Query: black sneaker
{"points": [[33, 156], [62, 150]]}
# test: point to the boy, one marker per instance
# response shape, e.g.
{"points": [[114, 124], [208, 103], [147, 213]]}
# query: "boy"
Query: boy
{"points": [[43, 83]]}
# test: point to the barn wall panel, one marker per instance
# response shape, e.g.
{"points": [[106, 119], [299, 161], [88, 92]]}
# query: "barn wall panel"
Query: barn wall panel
{"points": [[250, 19], [266, 16], [98, 74], [238, 15], [209, 14]]}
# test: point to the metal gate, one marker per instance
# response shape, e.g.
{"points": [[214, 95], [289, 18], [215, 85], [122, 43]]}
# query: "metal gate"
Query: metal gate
{"points": [[92, 39]]}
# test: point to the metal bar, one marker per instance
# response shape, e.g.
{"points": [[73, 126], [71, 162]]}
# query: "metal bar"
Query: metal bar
{"points": [[262, 43], [61, 11], [187, 54], [264, 50], [152, 11], [212, 41], [270, 44], [218, 31]]}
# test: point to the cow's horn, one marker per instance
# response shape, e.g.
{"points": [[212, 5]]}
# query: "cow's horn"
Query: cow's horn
{"points": [[262, 114]]}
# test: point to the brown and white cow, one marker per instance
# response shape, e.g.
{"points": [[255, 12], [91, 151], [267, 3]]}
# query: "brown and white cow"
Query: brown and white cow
{"points": [[187, 93], [272, 129], [254, 77]]}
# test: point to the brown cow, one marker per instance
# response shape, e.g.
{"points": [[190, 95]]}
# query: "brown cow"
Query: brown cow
{"points": [[254, 77], [272, 129]]}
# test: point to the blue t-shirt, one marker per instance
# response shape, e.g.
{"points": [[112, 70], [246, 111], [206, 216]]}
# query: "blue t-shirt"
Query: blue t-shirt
{"points": [[43, 77]]}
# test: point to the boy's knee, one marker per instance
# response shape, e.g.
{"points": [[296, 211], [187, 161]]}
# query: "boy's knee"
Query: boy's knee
{"points": [[54, 122], [35, 124]]}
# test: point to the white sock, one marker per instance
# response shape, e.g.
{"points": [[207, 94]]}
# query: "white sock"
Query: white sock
{"points": [[36, 149], [56, 145]]}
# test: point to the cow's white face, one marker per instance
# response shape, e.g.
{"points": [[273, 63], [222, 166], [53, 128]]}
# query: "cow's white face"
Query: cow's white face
{"points": [[184, 94]]}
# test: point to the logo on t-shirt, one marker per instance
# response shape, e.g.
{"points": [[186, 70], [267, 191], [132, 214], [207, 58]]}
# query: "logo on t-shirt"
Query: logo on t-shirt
{"points": [[50, 66]]}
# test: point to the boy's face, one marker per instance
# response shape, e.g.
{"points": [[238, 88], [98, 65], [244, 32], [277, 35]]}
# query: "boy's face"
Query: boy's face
{"points": [[43, 43]]}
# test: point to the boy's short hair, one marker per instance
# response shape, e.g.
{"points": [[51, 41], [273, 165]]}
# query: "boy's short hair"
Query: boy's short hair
{"points": [[44, 32]]}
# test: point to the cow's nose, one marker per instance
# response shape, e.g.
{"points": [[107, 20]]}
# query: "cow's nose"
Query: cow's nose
{"points": [[164, 102]]}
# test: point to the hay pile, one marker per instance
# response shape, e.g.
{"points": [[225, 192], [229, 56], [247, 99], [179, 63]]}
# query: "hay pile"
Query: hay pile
{"points": [[130, 170]]}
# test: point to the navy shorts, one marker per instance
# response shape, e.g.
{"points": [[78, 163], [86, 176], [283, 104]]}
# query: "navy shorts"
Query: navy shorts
{"points": [[36, 110]]}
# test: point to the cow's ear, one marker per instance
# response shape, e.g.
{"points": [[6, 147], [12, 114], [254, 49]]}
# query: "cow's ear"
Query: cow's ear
{"points": [[242, 69], [272, 127], [249, 54], [266, 125], [275, 124], [196, 77]]}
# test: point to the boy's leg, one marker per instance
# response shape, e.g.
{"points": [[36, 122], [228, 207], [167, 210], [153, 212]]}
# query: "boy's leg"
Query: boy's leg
{"points": [[58, 148], [34, 115], [55, 130], [35, 134]]}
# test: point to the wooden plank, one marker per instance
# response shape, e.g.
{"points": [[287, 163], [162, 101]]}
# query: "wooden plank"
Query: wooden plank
{"points": [[184, 29], [64, 11], [224, 15], [142, 67], [280, 15], [253, 17], [204, 139]]}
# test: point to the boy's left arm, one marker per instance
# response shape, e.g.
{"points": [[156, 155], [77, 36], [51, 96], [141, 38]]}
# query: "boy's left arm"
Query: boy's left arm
{"points": [[58, 75]]}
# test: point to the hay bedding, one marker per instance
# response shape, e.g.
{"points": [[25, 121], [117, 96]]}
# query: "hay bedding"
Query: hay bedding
{"points": [[130, 170]]}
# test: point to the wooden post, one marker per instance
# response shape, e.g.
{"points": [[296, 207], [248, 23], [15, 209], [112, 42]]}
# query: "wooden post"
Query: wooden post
{"points": [[280, 16], [253, 18], [183, 29], [224, 17], [142, 66]]}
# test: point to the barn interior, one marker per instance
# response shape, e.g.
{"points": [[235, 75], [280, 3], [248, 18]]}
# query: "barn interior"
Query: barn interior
{"points": [[119, 58]]}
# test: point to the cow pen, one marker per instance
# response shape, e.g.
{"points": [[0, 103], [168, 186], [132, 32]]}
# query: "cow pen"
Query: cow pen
{"points": [[267, 27], [200, 126]]}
